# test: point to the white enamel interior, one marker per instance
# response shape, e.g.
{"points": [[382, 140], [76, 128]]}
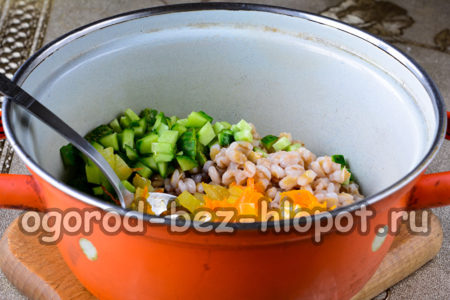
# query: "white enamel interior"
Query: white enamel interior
{"points": [[335, 91]]}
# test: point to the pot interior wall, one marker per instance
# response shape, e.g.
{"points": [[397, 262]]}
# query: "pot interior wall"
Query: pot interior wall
{"points": [[332, 90]]}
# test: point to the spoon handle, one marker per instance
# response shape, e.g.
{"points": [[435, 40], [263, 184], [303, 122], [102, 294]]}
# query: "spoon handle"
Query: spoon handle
{"points": [[21, 97]]}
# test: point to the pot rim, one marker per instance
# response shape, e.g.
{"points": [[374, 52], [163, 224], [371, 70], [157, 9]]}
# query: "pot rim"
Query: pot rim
{"points": [[31, 63]]}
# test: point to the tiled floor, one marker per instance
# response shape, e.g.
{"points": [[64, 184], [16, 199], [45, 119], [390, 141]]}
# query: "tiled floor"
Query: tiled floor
{"points": [[415, 26]]}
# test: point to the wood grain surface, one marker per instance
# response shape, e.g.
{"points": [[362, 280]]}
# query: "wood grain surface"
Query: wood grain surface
{"points": [[39, 271]]}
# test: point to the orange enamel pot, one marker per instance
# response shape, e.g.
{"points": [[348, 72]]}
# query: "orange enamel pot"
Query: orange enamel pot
{"points": [[337, 88]]}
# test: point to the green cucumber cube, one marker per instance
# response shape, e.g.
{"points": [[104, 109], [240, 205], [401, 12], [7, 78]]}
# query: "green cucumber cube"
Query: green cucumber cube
{"points": [[182, 122], [125, 122], [206, 134], [294, 147], [110, 141], [244, 135], [225, 137], [139, 127], [131, 154], [186, 163], [242, 126], [143, 170], [163, 157], [97, 146], [93, 174], [128, 138], [281, 144], [131, 115], [68, 155], [188, 143], [196, 120], [162, 148], [115, 126], [206, 116], [268, 141], [219, 126], [144, 145], [163, 168], [129, 186], [169, 136], [150, 162], [162, 128], [179, 128]]}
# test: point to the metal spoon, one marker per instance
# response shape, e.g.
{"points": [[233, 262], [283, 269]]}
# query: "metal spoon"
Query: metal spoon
{"points": [[22, 98]]}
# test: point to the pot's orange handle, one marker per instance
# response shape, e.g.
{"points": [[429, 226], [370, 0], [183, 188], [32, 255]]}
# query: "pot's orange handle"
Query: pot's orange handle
{"points": [[432, 190], [18, 191]]}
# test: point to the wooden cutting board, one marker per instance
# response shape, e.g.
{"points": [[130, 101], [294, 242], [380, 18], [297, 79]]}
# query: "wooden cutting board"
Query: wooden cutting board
{"points": [[39, 271]]}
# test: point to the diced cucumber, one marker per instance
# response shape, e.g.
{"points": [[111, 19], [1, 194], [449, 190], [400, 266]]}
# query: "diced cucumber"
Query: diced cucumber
{"points": [[144, 145], [115, 126], [128, 138], [294, 147], [206, 116], [97, 146], [129, 186], [122, 170], [150, 162], [268, 141], [160, 119], [131, 115], [196, 120], [131, 154], [124, 122], [180, 128], [244, 135], [98, 133], [163, 157], [110, 141], [226, 137], [219, 126], [143, 170], [149, 115], [188, 143], [201, 158], [172, 121], [139, 127], [68, 155], [169, 136], [93, 174], [339, 159], [162, 169], [241, 126], [162, 148], [260, 151], [206, 134], [162, 128], [186, 163], [182, 122], [98, 191], [281, 144]]}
